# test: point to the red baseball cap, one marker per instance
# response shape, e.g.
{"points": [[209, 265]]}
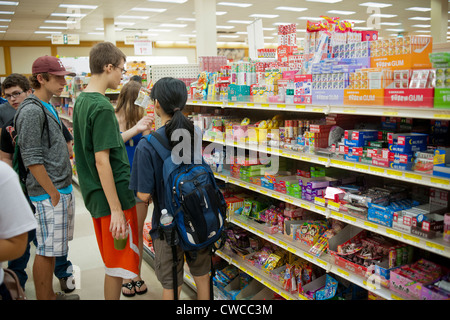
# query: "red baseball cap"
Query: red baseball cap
{"points": [[52, 65]]}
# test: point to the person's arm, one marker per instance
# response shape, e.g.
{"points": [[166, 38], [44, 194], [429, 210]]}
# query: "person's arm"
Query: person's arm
{"points": [[143, 125], [7, 157], [103, 165], [145, 197], [13, 248], [40, 174]]}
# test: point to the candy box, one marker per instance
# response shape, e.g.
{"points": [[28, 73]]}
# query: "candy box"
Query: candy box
{"points": [[350, 234], [358, 138], [407, 142], [427, 225]]}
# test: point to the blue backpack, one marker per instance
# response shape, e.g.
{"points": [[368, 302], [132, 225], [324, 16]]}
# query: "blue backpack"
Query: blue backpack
{"points": [[192, 197]]}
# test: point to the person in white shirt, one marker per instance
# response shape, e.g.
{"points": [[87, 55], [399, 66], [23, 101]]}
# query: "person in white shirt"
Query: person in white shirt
{"points": [[16, 219]]}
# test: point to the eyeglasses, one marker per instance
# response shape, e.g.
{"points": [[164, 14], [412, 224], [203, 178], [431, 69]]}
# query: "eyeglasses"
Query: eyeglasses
{"points": [[122, 69], [14, 95]]}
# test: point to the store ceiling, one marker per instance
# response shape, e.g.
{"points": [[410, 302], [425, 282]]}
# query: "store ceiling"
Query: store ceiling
{"points": [[31, 16]]}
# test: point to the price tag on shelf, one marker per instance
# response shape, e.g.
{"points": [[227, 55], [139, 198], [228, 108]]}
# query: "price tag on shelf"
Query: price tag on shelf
{"points": [[323, 263], [440, 181], [250, 104], [307, 256], [300, 107], [317, 110], [435, 247], [411, 238], [281, 106], [305, 206], [394, 233], [305, 159], [349, 218], [333, 205], [413, 176], [390, 113], [322, 159], [371, 225], [362, 167], [394, 173], [343, 273], [377, 170], [265, 105]]}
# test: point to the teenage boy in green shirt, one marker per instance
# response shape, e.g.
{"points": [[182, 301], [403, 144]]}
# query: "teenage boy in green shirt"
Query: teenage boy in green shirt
{"points": [[103, 168]]}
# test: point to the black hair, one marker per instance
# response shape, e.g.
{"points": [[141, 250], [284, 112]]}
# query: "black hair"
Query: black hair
{"points": [[136, 78], [172, 95]]}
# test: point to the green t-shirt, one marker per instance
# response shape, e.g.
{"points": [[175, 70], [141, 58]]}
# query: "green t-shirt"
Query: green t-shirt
{"points": [[96, 128]]}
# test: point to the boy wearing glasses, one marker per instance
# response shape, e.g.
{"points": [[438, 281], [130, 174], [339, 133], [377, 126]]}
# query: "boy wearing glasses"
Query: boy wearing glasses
{"points": [[103, 169]]}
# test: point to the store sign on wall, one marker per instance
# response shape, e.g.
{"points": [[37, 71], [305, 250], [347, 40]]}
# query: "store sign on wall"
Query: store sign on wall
{"points": [[65, 39]]}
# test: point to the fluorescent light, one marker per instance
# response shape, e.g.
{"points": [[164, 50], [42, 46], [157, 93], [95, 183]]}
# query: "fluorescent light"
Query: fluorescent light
{"points": [[421, 9], [268, 29], [221, 13], [243, 32], [133, 17], [345, 13], [159, 30], [396, 30], [224, 27], [269, 16], [97, 33], [169, 1], [234, 4], [390, 23], [325, 1], [48, 32], [188, 35], [124, 23], [356, 21], [60, 21], [422, 25], [173, 25], [3, 26], [240, 21], [423, 31], [185, 19], [296, 9], [149, 9], [383, 15], [362, 28], [6, 12], [375, 4], [56, 28], [77, 6], [310, 18], [68, 15], [102, 29], [282, 23], [2, 31], [9, 3], [5, 20], [228, 36], [420, 18]]}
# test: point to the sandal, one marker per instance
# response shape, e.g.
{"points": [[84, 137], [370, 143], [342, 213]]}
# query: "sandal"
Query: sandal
{"points": [[138, 284], [129, 286]]}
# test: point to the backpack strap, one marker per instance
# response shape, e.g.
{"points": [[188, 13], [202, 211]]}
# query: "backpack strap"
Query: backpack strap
{"points": [[160, 144]]}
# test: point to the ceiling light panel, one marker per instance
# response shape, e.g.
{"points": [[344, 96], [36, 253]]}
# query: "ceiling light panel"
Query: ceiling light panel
{"points": [[295, 9], [235, 4]]}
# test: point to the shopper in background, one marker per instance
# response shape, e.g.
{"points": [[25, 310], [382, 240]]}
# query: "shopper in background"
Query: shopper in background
{"points": [[133, 123], [16, 88], [16, 221], [103, 168], [49, 183], [169, 96]]}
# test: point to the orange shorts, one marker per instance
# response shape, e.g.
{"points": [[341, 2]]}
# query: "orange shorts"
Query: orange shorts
{"points": [[119, 263]]}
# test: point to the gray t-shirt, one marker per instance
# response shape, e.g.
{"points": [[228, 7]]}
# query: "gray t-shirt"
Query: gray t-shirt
{"points": [[6, 113]]}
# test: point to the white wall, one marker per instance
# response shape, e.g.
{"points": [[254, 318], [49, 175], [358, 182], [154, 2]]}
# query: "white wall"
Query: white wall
{"points": [[22, 58]]}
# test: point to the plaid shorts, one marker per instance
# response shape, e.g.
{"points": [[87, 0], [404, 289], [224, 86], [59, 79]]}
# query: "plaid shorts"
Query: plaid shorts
{"points": [[55, 225]]}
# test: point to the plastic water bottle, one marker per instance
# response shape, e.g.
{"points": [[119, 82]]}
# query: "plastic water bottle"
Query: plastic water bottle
{"points": [[166, 218]]}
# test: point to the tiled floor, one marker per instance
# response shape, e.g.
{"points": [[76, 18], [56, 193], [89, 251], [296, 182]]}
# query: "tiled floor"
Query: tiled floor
{"points": [[85, 256]]}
